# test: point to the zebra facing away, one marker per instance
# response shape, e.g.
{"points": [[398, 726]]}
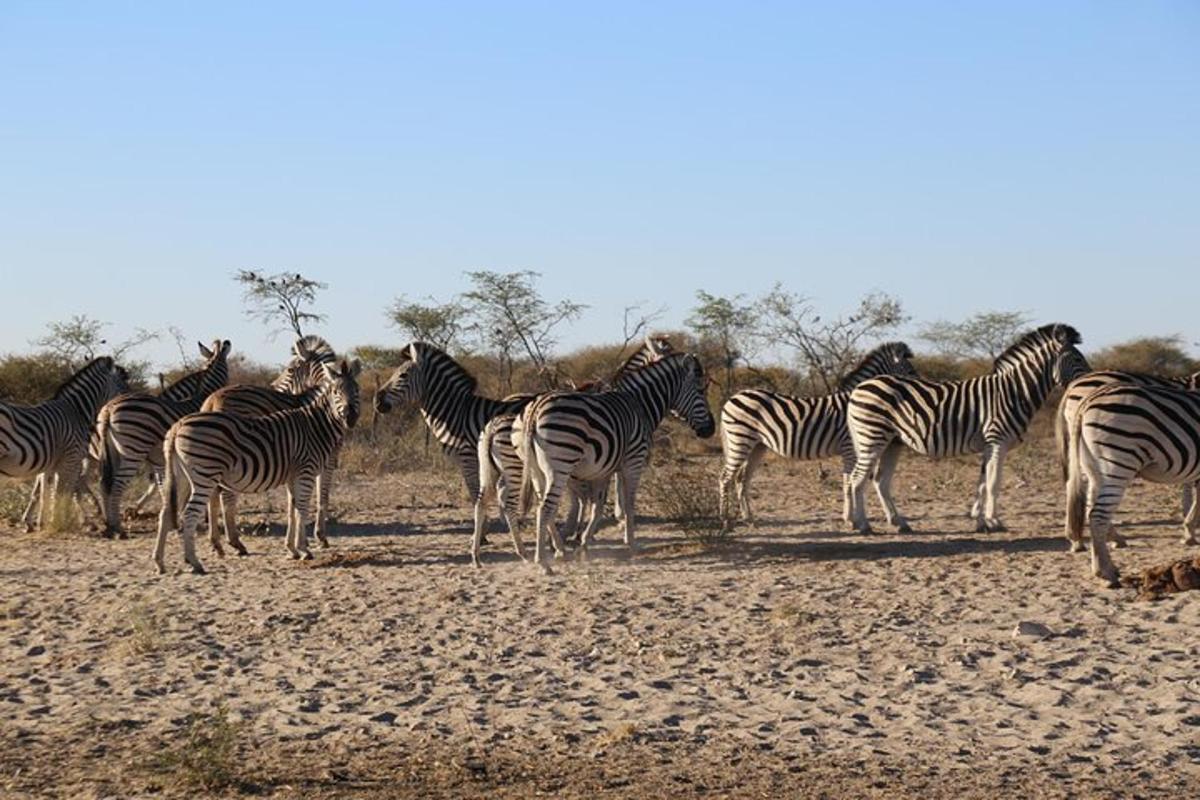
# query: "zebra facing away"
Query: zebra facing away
{"points": [[1074, 395], [446, 395], [987, 414], [590, 437], [49, 441], [1121, 432], [211, 451], [295, 387], [131, 428], [500, 464], [755, 421]]}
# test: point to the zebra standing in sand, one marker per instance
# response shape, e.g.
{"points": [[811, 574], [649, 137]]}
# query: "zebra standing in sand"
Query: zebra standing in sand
{"points": [[49, 441], [756, 420], [295, 387], [211, 451], [131, 428], [590, 437], [987, 414], [1074, 395], [1121, 432], [500, 464], [446, 395]]}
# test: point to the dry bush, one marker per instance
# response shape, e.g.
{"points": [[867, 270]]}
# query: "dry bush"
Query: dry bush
{"points": [[396, 442], [146, 630], [684, 492], [13, 497], [207, 759]]}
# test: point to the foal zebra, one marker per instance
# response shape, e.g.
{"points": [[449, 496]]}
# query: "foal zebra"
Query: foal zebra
{"points": [[590, 437], [446, 395], [500, 464], [1074, 395], [131, 428], [988, 414], [296, 387], [1121, 432], [48, 441], [755, 421], [218, 450]]}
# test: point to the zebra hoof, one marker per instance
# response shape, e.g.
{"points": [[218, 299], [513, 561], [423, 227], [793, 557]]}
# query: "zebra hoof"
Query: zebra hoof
{"points": [[241, 549], [904, 527], [1077, 546], [306, 556], [198, 569]]}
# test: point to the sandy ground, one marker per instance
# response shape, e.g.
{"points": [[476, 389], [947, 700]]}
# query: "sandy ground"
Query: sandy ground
{"points": [[795, 660]]}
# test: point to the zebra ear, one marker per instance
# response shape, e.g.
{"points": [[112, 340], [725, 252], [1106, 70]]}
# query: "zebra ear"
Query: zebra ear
{"points": [[225, 346], [411, 352], [299, 350], [204, 351], [351, 368]]}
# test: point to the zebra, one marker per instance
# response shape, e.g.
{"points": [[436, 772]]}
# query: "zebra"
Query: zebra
{"points": [[446, 394], [1074, 395], [1121, 432], [589, 437], [131, 428], [987, 414], [296, 386], [218, 450], [500, 464], [755, 421], [48, 441]]}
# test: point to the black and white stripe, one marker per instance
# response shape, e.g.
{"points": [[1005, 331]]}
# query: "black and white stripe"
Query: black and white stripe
{"points": [[445, 393], [131, 428], [1074, 395], [987, 414], [49, 441], [296, 387], [1122, 432], [500, 464], [212, 451], [590, 437], [756, 421]]}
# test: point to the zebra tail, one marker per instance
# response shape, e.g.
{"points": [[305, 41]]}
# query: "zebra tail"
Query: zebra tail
{"points": [[1076, 488], [108, 453], [1062, 438], [170, 494], [525, 450]]}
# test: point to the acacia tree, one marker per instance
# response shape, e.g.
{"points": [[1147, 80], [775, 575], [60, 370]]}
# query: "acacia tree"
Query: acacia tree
{"points": [[510, 316], [280, 299], [81, 339], [730, 324], [827, 349], [440, 324], [983, 335]]}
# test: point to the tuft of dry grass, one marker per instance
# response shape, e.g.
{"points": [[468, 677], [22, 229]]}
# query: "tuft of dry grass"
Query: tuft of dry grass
{"points": [[685, 493], [13, 497], [146, 630], [207, 759], [65, 516]]}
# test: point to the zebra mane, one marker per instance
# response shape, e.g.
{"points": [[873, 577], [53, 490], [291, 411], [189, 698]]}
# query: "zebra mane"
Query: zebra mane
{"points": [[103, 361], [869, 366], [1034, 340], [312, 345], [630, 378], [438, 359]]}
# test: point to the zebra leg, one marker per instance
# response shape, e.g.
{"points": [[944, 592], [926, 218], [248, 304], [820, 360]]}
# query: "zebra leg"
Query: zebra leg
{"points": [[884, 473], [485, 494], [299, 499], [154, 488], [1191, 522], [35, 495], [1099, 523], [1188, 498], [976, 512], [547, 510], [742, 482], [214, 530], [995, 465], [509, 499], [324, 481], [864, 467], [193, 514], [122, 472], [627, 489], [229, 516], [572, 528]]}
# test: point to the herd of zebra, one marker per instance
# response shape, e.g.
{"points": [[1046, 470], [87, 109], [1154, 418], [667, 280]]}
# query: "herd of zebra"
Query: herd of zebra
{"points": [[206, 442]]}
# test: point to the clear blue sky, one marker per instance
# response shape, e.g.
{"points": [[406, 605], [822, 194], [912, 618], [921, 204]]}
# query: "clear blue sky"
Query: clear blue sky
{"points": [[963, 156]]}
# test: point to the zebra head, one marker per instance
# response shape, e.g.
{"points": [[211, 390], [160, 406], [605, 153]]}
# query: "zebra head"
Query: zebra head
{"points": [[341, 389], [305, 369], [215, 357], [890, 358], [405, 384], [1070, 365], [690, 402]]}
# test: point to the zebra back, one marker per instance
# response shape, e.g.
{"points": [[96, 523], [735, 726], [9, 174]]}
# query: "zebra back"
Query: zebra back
{"points": [[889, 358]]}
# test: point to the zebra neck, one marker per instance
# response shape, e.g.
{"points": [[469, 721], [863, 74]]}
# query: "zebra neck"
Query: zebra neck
{"points": [[654, 398], [1025, 388], [453, 414], [86, 401], [866, 371]]}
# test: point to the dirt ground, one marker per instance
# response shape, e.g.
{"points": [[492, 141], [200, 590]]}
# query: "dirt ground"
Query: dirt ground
{"points": [[795, 659]]}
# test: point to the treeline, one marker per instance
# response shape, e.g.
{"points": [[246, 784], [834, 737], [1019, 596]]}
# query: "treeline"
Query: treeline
{"points": [[507, 333]]}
